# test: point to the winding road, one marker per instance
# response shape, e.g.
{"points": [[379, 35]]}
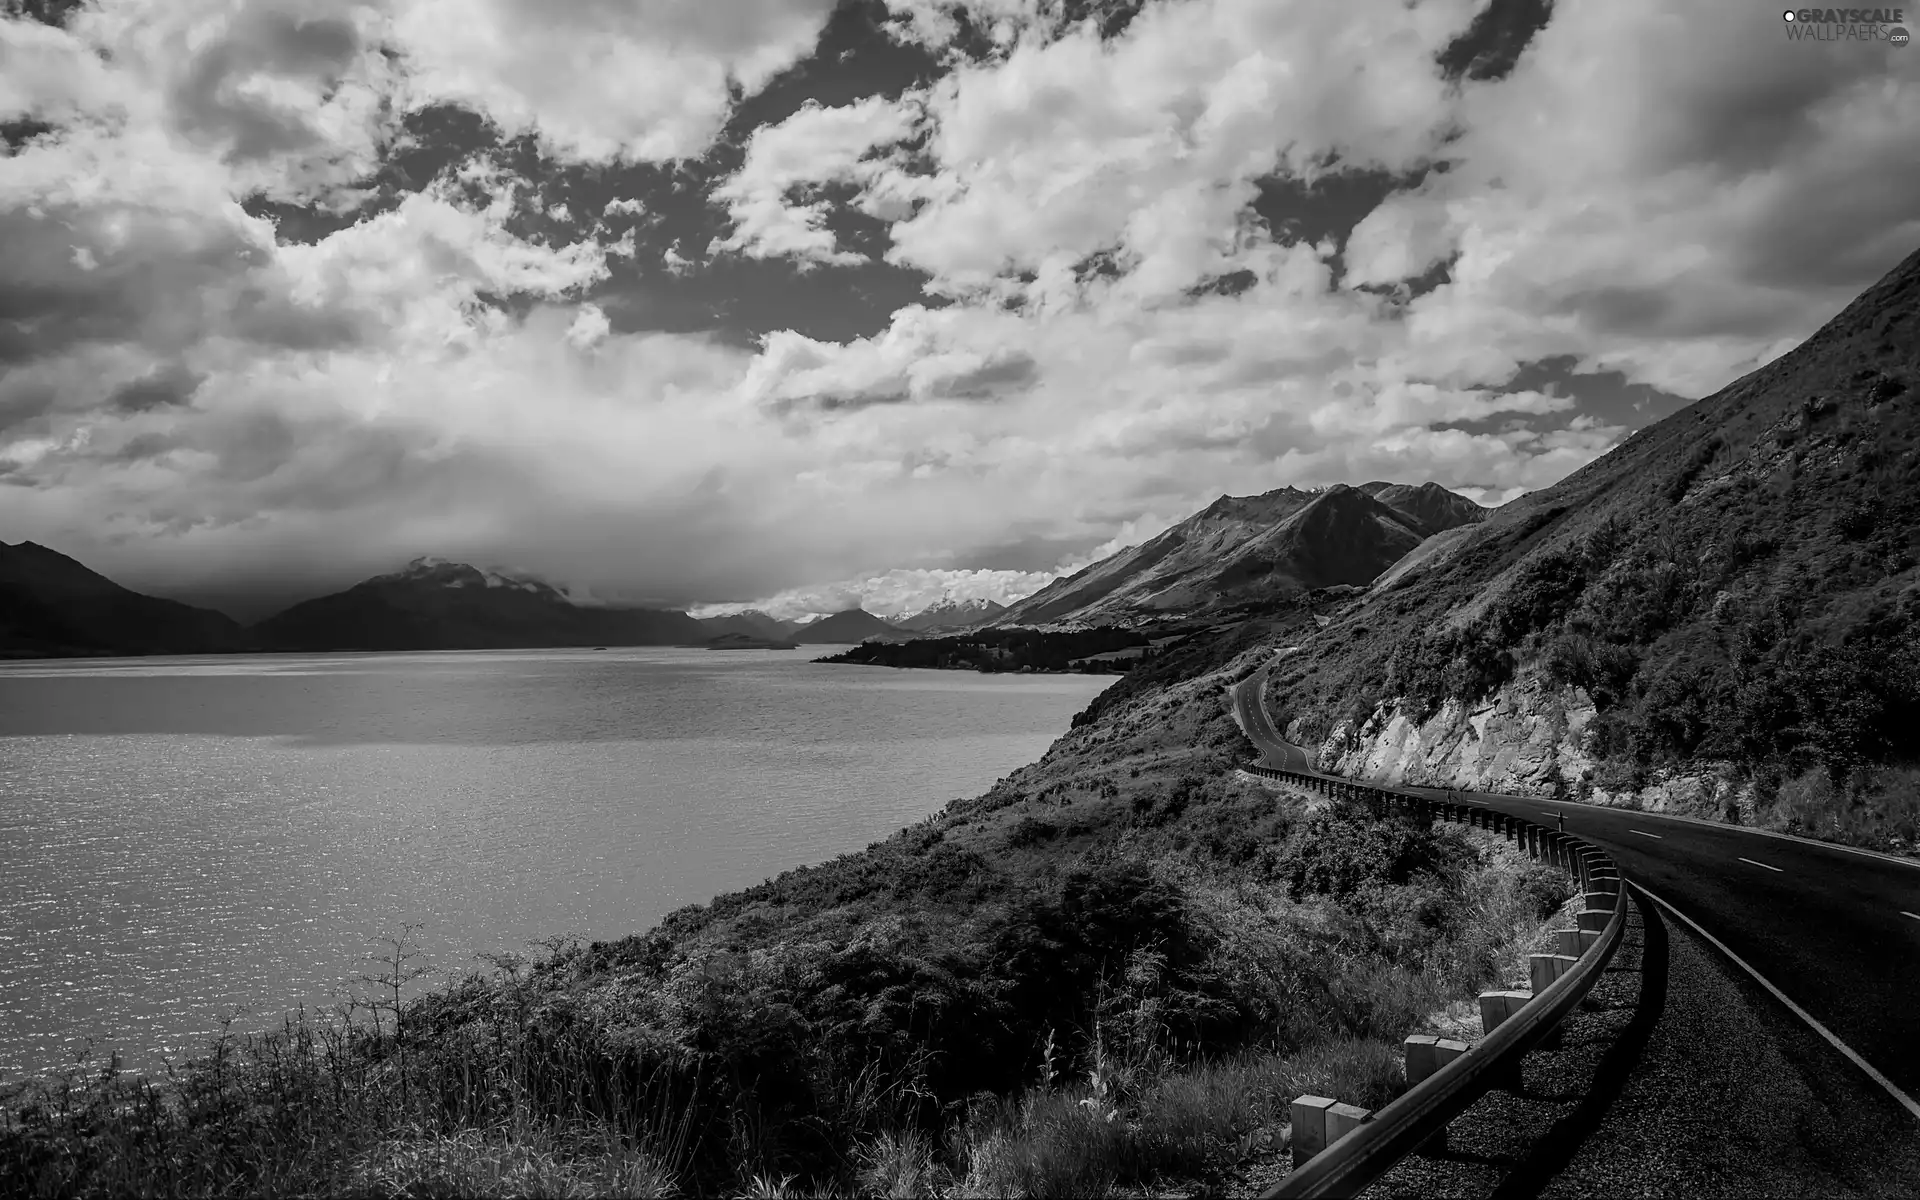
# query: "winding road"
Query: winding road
{"points": [[1833, 933]]}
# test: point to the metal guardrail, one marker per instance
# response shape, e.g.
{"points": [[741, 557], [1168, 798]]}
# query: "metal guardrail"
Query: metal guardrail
{"points": [[1356, 1160]]}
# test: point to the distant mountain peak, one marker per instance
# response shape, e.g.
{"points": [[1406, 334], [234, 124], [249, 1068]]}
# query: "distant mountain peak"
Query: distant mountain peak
{"points": [[1251, 549], [434, 571], [845, 627], [950, 612]]}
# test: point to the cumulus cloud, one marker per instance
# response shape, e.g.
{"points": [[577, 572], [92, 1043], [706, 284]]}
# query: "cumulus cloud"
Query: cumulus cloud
{"points": [[603, 79], [1148, 146], [770, 198]]}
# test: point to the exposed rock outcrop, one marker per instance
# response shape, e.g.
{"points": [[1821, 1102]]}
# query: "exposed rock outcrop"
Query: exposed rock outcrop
{"points": [[1528, 738]]}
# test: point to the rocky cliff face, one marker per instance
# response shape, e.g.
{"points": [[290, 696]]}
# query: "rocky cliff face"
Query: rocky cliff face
{"points": [[1528, 738]]}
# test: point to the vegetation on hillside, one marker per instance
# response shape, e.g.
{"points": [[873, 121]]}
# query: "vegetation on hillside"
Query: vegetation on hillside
{"points": [[1116, 966]]}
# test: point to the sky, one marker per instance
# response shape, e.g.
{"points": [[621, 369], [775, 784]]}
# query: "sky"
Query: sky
{"points": [[803, 304]]}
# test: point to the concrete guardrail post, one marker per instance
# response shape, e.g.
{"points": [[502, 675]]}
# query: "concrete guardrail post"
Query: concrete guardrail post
{"points": [[1496, 1007], [1309, 1116], [1544, 969], [1567, 942], [1444, 1051], [1343, 1119], [1420, 1063]]}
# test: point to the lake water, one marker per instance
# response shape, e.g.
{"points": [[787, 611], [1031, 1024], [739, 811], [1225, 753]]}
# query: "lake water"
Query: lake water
{"points": [[183, 840]]}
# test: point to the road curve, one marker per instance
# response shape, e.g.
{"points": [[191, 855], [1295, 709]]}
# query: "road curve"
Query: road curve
{"points": [[1834, 930], [1250, 710]]}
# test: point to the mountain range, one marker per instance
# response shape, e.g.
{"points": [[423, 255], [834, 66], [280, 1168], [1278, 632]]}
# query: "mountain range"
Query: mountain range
{"points": [[949, 616], [1235, 552], [1242, 551], [437, 605]]}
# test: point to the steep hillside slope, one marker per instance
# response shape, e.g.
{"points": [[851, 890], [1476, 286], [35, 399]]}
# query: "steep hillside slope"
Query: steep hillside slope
{"points": [[1242, 552], [435, 605], [1719, 614], [52, 605]]}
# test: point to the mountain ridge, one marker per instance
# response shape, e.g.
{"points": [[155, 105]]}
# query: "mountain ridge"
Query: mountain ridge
{"points": [[949, 614], [54, 606], [848, 627], [434, 604], [1248, 550]]}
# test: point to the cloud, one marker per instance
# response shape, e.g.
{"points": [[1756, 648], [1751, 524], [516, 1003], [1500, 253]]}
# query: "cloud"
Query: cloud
{"points": [[642, 80], [1735, 189], [769, 199], [1148, 145]]}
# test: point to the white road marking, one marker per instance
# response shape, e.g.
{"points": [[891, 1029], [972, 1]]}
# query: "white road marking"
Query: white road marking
{"points": [[1643, 833], [1755, 862], [1905, 913], [1905, 1101]]}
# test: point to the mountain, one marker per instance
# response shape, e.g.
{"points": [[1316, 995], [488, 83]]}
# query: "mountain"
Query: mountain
{"points": [[1428, 505], [1248, 550], [752, 624], [1722, 613], [438, 605], [950, 616], [843, 628], [52, 605]]}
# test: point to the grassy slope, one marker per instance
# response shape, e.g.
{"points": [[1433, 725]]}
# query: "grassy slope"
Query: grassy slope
{"points": [[1106, 969], [1734, 585]]}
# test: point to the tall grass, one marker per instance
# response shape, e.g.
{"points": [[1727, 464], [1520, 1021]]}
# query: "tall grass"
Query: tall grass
{"points": [[330, 1105]]}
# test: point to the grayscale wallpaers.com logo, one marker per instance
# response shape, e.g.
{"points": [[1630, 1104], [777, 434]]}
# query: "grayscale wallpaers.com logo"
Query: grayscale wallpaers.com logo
{"points": [[1847, 25]]}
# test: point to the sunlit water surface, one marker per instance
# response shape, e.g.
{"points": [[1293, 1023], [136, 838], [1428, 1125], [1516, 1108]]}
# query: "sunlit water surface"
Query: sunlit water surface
{"points": [[183, 840]]}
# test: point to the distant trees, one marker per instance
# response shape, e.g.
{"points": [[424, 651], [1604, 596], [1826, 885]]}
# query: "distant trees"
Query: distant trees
{"points": [[1000, 650]]}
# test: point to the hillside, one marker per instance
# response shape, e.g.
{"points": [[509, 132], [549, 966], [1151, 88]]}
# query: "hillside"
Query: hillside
{"points": [[843, 628], [435, 605], [51, 605], [1717, 616], [1240, 553]]}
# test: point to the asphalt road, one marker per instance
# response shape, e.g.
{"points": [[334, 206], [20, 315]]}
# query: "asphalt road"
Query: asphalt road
{"points": [[1837, 932], [1275, 751]]}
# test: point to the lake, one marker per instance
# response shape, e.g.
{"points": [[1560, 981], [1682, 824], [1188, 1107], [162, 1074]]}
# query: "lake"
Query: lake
{"points": [[188, 840]]}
